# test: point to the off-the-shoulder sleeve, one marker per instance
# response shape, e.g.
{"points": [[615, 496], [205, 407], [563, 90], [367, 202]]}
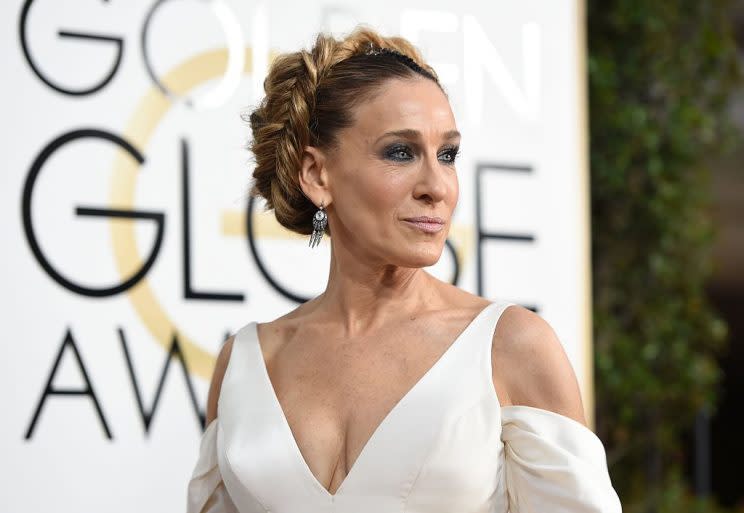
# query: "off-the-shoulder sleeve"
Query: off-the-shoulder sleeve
{"points": [[206, 490], [554, 463]]}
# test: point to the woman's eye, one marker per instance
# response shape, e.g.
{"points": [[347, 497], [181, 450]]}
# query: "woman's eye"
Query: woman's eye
{"points": [[449, 155], [399, 153], [404, 153]]}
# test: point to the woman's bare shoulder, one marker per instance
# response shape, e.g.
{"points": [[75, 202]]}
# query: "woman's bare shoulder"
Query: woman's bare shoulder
{"points": [[275, 332], [531, 366], [459, 299]]}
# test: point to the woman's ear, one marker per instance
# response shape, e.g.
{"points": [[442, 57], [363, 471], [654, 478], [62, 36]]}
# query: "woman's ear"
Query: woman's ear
{"points": [[314, 176]]}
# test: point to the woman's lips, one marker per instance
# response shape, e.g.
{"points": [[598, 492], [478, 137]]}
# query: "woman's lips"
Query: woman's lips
{"points": [[427, 225]]}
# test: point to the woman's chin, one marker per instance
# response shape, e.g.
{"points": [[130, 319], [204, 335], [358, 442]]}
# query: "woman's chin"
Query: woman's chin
{"points": [[423, 257]]}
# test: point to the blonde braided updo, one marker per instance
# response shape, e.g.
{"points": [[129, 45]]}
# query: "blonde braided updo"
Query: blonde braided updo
{"points": [[309, 98]]}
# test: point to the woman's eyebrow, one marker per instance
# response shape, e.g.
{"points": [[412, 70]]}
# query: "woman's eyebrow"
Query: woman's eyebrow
{"points": [[410, 133], [451, 134]]}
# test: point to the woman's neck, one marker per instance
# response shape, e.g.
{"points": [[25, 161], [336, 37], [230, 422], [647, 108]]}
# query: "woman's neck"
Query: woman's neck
{"points": [[361, 295]]}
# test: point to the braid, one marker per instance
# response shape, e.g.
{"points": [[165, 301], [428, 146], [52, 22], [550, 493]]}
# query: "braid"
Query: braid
{"points": [[281, 129]]}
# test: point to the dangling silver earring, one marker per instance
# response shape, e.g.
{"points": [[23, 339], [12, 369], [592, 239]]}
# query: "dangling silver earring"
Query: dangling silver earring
{"points": [[320, 219]]}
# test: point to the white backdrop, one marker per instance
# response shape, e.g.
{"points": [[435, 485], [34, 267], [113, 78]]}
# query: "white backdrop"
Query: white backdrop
{"points": [[124, 213]]}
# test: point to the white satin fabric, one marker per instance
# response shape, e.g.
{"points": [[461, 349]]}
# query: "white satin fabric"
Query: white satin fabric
{"points": [[446, 447]]}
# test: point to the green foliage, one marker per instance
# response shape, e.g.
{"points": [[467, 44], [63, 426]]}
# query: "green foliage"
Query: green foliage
{"points": [[660, 76], [675, 497]]}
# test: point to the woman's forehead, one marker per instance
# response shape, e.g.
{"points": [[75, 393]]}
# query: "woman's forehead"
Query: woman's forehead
{"points": [[413, 105]]}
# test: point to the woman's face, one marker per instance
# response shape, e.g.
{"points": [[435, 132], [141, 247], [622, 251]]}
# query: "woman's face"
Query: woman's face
{"points": [[396, 162]]}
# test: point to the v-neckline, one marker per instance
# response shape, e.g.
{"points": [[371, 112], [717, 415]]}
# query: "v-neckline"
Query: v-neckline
{"points": [[375, 434]]}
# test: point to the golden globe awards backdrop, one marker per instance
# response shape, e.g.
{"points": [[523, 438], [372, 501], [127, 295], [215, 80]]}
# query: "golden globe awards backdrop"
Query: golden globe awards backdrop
{"points": [[131, 249]]}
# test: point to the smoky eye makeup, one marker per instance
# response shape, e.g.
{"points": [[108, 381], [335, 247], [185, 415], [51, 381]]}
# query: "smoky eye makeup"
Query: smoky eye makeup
{"points": [[402, 152], [398, 152], [450, 154]]}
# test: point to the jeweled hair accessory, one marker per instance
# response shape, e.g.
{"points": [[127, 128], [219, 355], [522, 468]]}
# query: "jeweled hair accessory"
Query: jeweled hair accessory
{"points": [[405, 59], [372, 49]]}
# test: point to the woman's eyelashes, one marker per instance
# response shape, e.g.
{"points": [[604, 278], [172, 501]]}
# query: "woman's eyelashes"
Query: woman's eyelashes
{"points": [[450, 154], [405, 153], [399, 152]]}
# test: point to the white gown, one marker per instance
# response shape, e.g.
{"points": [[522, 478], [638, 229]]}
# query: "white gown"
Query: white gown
{"points": [[446, 447]]}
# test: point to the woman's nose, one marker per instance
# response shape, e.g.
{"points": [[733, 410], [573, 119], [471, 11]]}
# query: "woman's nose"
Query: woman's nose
{"points": [[432, 180]]}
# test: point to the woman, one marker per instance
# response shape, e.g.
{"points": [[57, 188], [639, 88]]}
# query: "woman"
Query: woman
{"points": [[392, 390]]}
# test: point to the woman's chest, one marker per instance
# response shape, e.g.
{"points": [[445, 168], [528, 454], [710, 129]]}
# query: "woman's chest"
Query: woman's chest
{"points": [[335, 394], [418, 435], [436, 450]]}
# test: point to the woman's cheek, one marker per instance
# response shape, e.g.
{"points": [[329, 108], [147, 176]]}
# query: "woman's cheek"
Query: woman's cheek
{"points": [[387, 191]]}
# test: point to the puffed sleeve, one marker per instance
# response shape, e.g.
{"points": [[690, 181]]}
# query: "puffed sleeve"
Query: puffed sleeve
{"points": [[206, 490], [554, 463]]}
